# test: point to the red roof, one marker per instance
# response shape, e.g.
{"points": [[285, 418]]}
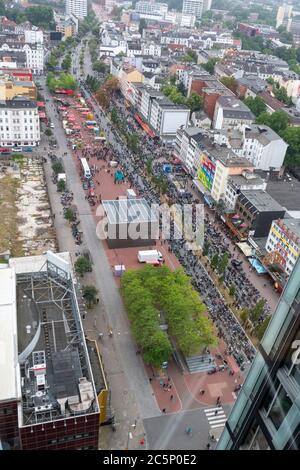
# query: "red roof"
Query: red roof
{"points": [[274, 103]]}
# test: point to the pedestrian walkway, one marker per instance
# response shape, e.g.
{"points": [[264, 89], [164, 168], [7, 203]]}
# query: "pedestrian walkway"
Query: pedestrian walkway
{"points": [[216, 417], [202, 363]]}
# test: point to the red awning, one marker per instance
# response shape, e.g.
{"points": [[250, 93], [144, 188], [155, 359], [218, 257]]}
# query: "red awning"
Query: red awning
{"points": [[40, 104], [144, 126]]}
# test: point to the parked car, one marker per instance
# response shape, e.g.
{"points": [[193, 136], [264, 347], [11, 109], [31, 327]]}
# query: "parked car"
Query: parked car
{"points": [[92, 184], [85, 185]]}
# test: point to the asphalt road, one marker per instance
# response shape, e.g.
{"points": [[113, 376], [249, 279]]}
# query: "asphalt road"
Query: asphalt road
{"points": [[132, 396]]}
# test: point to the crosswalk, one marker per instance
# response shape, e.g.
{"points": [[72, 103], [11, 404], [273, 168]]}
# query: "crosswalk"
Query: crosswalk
{"points": [[216, 417]]}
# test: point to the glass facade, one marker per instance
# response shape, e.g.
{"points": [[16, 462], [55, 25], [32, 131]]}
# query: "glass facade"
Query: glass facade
{"points": [[266, 414]]}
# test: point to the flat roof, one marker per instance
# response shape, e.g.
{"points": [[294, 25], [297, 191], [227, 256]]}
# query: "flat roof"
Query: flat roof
{"points": [[261, 200], [287, 193], [124, 211], [9, 369]]}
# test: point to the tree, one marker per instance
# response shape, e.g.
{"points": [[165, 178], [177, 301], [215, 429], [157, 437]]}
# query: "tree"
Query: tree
{"points": [[89, 293], [215, 261], [41, 16], [181, 88], [57, 167], [223, 262], [256, 105], [281, 94], [102, 98], [210, 65], [232, 290], [116, 13], [99, 66], [82, 265], [69, 215], [133, 142], [291, 135], [257, 310], [194, 102], [260, 329], [278, 121], [230, 83], [142, 25], [244, 316], [114, 116], [206, 246], [48, 132], [61, 186]]}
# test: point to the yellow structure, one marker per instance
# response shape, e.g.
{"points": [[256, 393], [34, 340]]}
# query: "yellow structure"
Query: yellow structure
{"points": [[99, 379], [10, 88], [127, 75]]}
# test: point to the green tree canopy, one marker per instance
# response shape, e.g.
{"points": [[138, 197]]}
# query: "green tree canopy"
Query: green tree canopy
{"points": [[82, 265], [230, 83], [256, 105], [194, 102], [278, 121], [210, 65]]}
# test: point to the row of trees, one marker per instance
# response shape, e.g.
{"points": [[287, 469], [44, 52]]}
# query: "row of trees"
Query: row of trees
{"points": [[63, 80], [39, 15], [158, 295]]}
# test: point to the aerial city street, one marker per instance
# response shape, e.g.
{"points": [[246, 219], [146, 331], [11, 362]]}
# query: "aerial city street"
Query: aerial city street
{"points": [[150, 225]]}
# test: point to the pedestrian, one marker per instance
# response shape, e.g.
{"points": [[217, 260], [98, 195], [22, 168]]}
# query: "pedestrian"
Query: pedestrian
{"points": [[208, 446], [171, 397], [161, 383], [216, 412], [150, 379], [164, 410]]}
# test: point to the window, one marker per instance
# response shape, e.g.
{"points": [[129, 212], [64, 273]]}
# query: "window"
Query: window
{"points": [[280, 407]]}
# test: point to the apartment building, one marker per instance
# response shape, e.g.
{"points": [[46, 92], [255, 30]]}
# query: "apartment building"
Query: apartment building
{"points": [[283, 243], [19, 123], [230, 112], [193, 7], [11, 87], [34, 54], [263, 147], [166, 117], [76, 7], [247, 181]]}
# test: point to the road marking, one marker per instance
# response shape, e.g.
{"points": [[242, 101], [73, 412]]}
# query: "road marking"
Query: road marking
{"points": [[215, 420]]}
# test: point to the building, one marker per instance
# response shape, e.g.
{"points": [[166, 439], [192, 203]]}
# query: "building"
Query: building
{"points": [[283, 244], [151, 8], [34, 54], [201, 120], [166, 117], [130, 222], [34, 36], [227, 164], [266, 414], [248, 29], [206, 5], [257, 210], [77, 8], [11, 87], [263, 147], [66, 24], [127, 76], [248, 180], [231, 112], [48, 399], [284, 13], [19, 123], [193, 7]]}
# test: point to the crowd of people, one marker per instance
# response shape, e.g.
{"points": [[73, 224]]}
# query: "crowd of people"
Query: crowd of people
{"points": [[228, 327]]}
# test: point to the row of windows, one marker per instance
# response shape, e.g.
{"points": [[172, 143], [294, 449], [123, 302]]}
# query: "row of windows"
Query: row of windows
{"points": [[70, 438]]}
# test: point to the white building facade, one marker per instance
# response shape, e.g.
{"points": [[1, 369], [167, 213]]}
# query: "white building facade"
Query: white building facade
{"points": [[19, 123], [77, 8], [193, 7]]}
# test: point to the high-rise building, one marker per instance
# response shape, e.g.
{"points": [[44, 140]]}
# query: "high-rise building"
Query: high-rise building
{"points": [[193, 7], [206, 5], [266, 414], [77, 8], [284, 13]]}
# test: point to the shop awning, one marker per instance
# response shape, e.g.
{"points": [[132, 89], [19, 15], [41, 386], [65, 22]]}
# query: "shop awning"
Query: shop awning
{"points": [[245, 248], [259, 268], [40, 104], [144, 126]]}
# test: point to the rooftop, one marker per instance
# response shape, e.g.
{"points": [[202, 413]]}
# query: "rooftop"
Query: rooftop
{"points": [[260, 200], [125, 211], [18, 102], [233, 107], [10, 380], [263, 134], [57, 380], [287, 193]]}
